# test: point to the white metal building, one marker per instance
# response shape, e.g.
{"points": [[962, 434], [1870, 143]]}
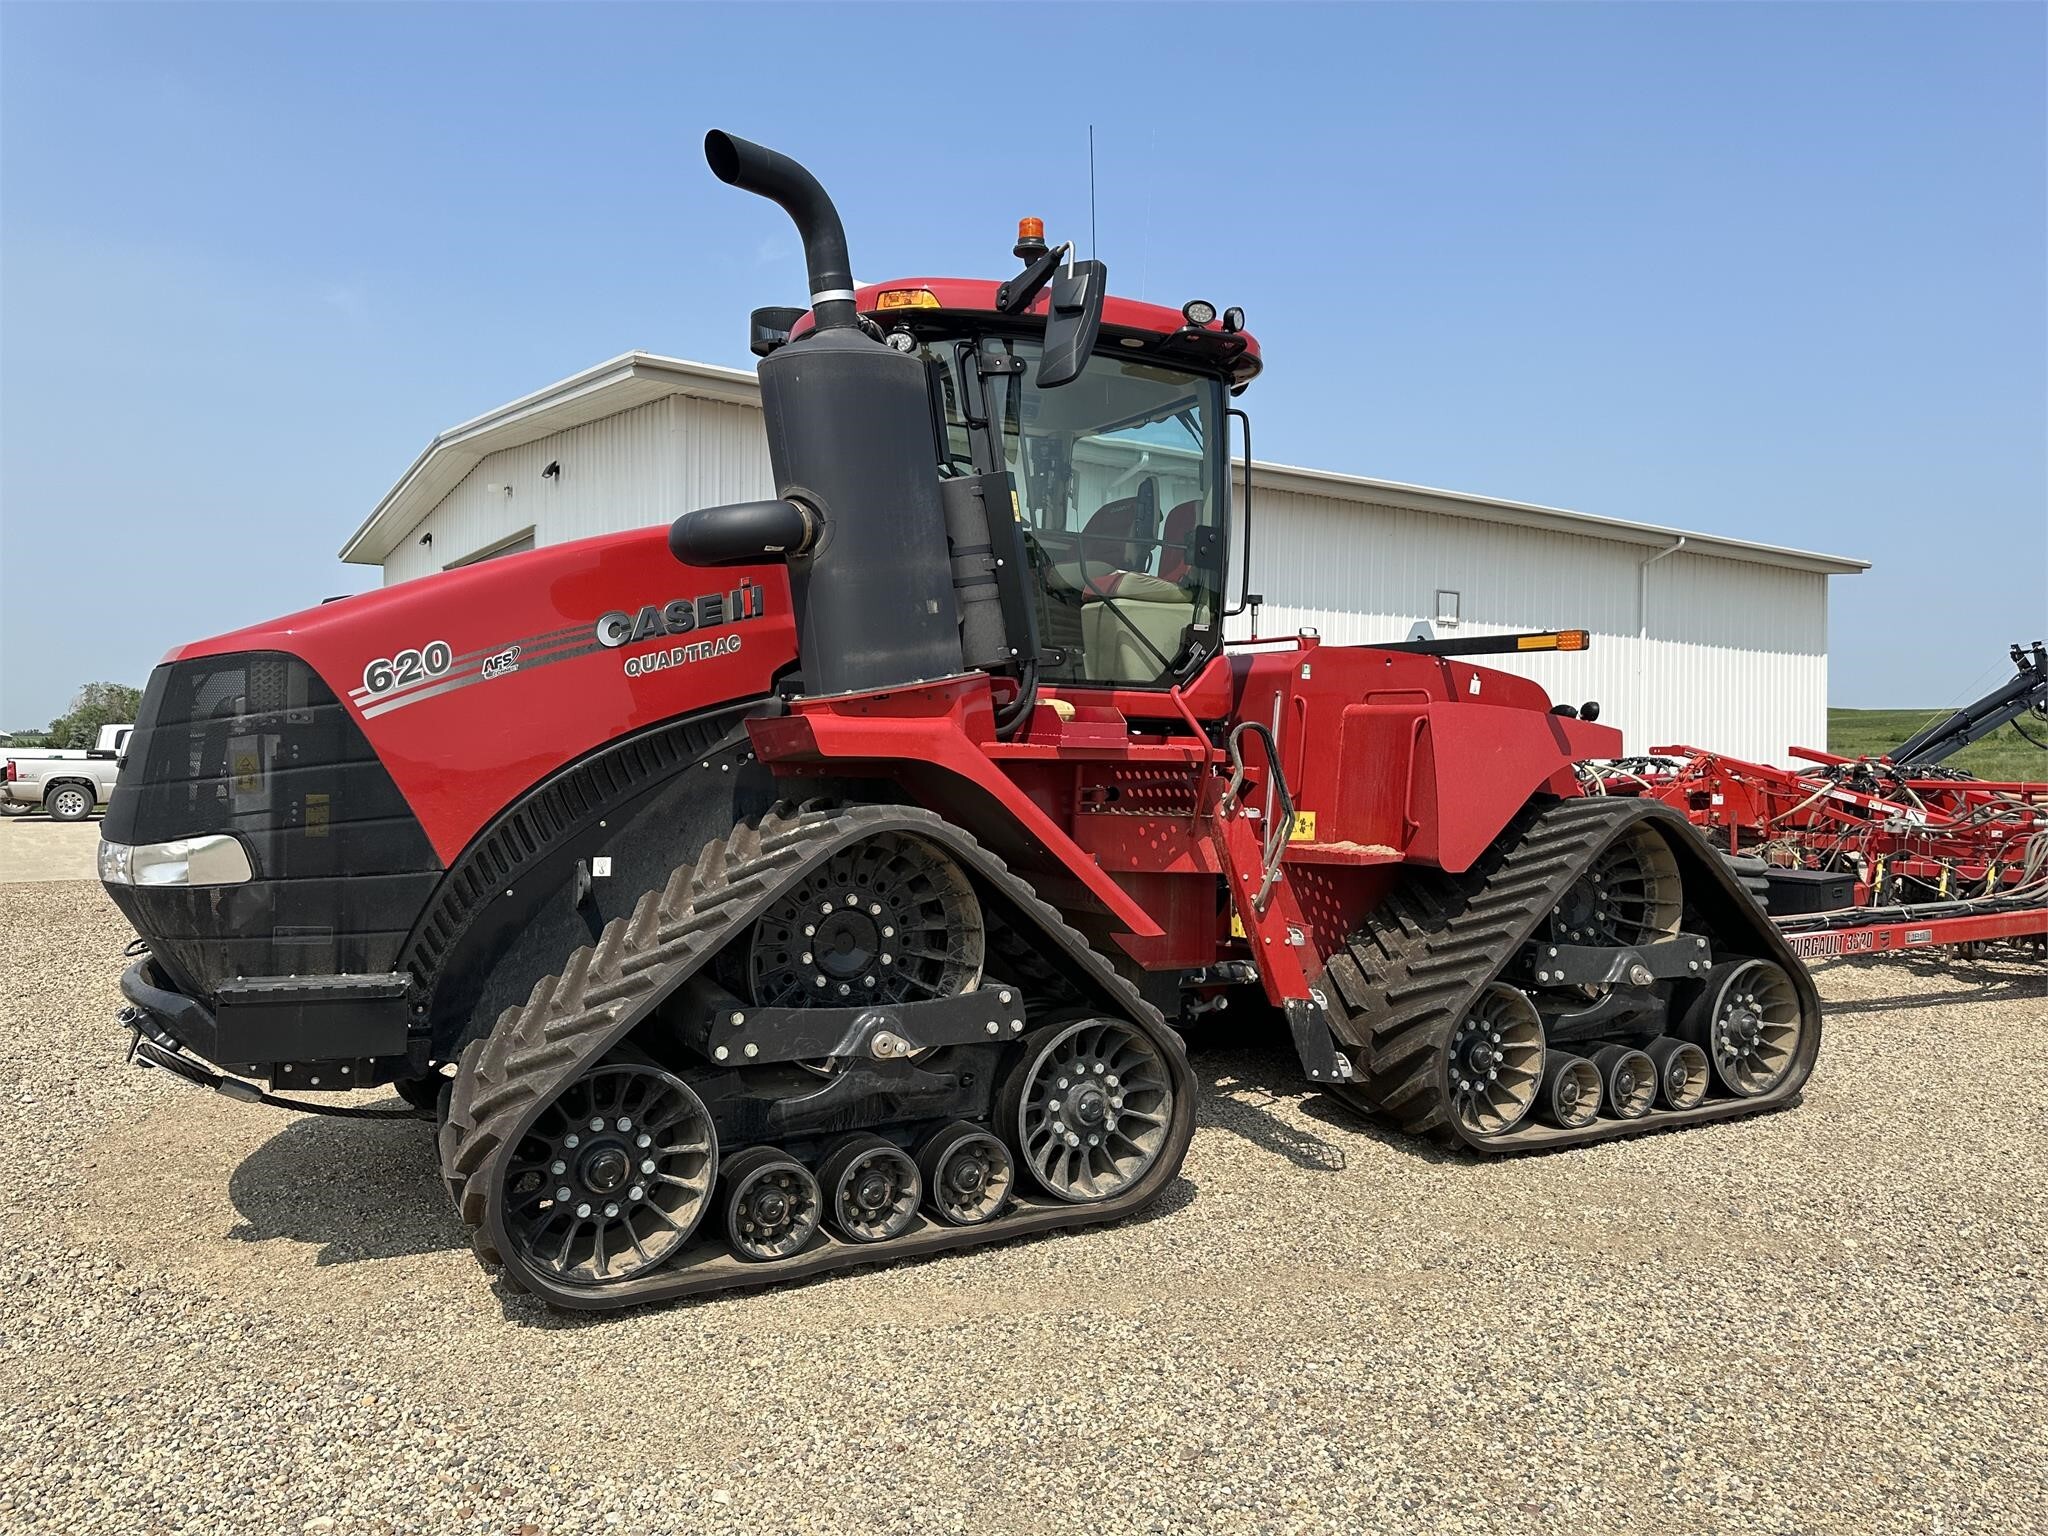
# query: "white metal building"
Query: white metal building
{"points": [[1711, 641]]}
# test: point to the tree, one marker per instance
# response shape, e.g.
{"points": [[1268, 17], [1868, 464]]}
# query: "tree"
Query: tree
{"points": [[95, 705]]}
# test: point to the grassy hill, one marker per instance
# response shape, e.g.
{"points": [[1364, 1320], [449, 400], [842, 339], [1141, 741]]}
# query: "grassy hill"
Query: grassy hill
{"points": [[2002, 755]]}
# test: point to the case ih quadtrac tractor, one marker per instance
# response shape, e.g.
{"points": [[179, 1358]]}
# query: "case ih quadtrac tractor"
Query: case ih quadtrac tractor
{"points": [[818, 881]]}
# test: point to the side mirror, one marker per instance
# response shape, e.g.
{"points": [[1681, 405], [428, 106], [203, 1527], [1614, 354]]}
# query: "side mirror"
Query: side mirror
{"points": [[1073, 323]]}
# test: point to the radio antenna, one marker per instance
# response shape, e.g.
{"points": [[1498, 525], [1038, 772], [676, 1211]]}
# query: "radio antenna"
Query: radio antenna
{"points": [[1093, 251]]}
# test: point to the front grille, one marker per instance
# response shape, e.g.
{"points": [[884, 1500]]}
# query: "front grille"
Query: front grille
{"points": [[255, 744]]}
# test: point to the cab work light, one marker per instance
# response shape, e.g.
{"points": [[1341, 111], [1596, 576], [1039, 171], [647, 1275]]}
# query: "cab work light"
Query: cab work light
{"points": [[906, 298]]}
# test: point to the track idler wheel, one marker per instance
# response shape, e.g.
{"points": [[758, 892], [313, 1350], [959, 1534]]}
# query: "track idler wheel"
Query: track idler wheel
{"points": [[1682, 1072], [1747, 1020], [1495, 1061], [614, 1176], [871, 1188], [770, 1203], [1629, 1079], [1630, 895], [1088, 1105], [968, 1174], [890, 919], [1570, 1094]]}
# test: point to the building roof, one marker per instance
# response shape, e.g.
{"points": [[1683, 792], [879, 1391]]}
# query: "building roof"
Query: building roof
{"points": [[611, 387], [637, 377]]}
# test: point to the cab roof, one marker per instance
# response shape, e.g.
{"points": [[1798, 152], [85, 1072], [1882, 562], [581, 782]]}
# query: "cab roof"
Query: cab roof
{"points": [[1155, 330]]}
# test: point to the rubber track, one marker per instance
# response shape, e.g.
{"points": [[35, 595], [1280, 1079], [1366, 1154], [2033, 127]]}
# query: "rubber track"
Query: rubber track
{"points": [[1414, 969], [535, 1051]]}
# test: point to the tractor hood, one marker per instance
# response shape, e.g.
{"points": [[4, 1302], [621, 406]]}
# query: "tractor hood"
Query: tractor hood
{"points": [[472, 685]]}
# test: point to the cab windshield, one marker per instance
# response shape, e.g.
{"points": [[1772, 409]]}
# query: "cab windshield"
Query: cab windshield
{"points": [[1119, 478]]}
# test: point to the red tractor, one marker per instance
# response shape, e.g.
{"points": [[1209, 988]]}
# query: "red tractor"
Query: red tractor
{"points": [[819, 881]]}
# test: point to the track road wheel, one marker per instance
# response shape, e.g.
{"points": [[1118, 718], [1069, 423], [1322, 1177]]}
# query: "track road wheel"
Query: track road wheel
{"points": [[1088, 1105], [1570, 1096], [871, 1188], [968, 1174], [614, 1176], [1495, 1061], [1629, 1080], [1682, 1072], [770, 1204], [890, 919], [1629, 895], [1747, 1021]]}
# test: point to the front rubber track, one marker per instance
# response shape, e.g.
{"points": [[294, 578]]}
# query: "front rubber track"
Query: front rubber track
{"points": [[1402, 983], [604, 990]]}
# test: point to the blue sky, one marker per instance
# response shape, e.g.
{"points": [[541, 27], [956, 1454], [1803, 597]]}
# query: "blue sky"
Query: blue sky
{"points": [[1774, 272]]}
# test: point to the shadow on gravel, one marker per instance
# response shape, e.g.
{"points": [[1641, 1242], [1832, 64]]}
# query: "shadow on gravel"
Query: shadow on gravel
{"points": [[359, 1189], [1974, 982], [524, 1311], [1262, 1062]]}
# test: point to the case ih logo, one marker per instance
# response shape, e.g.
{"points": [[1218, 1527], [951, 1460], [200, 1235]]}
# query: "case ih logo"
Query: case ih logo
{"points": [[681, 616]]}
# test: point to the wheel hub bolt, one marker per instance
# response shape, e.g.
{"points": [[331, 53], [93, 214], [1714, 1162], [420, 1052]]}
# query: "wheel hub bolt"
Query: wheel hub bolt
{"points": [[606, 1170], [562, 1193], [583, 1210], [558, 1166], [647, 1166], [638, 1192]]}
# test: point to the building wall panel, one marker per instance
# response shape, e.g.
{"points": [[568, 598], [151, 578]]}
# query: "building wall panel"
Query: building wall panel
{"points": [[1730, 655], [643, 466]]}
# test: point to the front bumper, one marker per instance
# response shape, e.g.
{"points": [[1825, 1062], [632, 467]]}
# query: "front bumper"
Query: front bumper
{"points": [[159, 1012], [321, 1032], [167, 1027]]}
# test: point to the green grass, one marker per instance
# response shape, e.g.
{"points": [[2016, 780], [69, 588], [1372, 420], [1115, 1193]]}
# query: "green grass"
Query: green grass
{"points": [[2001, 755]]}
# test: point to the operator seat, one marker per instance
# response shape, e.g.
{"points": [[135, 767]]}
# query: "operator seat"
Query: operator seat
{"points": [[1159, 607]]}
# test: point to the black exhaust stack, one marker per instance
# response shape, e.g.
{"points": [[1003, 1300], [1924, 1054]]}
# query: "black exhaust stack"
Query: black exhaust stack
{"points": [[860, 519]]}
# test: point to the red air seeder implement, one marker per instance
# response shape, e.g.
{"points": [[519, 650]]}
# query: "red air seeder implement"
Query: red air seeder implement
{"points": [[1870, 856]]}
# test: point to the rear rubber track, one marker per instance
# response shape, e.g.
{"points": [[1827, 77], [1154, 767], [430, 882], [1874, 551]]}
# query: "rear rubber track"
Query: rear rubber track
{"points": [[1403, 982], [572, 1020]]}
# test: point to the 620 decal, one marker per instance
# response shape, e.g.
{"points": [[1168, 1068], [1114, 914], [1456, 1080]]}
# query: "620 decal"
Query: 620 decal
{"points": [[408, 667]]}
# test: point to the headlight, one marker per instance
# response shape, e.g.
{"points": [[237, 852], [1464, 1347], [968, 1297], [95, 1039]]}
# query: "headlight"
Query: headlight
{"points": [[215, 860], [115, 863]]}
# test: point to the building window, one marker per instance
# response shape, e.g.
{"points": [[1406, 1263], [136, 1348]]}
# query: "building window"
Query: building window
{"points": [[517, 544], [1446, 608]]}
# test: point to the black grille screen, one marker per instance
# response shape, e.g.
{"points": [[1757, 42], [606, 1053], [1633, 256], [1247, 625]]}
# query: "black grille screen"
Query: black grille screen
{"points": [[255, 744]]}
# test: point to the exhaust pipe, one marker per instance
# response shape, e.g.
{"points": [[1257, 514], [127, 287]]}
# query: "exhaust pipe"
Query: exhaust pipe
{"points": [[859, 519], [744, 164]]}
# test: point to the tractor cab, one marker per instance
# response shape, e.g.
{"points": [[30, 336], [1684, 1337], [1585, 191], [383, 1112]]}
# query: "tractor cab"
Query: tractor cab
{"points": [[1118, 456]]}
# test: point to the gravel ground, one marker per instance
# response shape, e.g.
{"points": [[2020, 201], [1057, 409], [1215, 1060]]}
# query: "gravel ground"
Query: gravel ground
{"points": [[227, 1320], [36, 848]]}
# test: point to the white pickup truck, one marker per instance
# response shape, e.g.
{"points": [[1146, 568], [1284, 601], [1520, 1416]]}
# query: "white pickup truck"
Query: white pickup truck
{"points": [[69, 785]]}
